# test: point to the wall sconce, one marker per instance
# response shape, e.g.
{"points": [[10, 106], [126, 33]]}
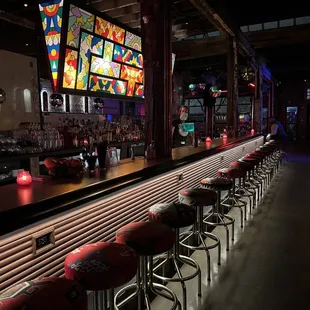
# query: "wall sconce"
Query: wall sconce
{"points": [[99, 103], [2, 96], [56, 100], [23, 178]]}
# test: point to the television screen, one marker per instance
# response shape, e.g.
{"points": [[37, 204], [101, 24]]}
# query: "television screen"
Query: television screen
{"points": [[95, 55]]}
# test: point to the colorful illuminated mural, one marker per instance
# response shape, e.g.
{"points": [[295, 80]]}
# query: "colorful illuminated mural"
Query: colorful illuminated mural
{"points": [[78, 19], [96, 55], [51, 16], [70, 69]]}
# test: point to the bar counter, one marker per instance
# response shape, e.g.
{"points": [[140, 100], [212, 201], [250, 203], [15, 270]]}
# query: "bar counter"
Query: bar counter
{"points": [[21, 206], [42, 223]]}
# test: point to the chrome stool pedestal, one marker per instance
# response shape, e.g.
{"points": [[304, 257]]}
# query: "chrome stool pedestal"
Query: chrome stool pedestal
{"points": [[143, 286], [147, 239], [196, 239], [175, 215], [217, 217]]}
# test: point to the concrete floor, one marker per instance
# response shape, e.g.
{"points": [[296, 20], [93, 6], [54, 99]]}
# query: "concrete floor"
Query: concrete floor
{"points": [[268, 266]]}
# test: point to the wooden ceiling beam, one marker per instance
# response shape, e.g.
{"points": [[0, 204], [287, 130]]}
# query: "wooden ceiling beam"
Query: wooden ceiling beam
{"points": [[134, 24], [190, 49], [279, 36], [109, 5], [224, 23], [129, 18], [17, 20], [127, 10]]}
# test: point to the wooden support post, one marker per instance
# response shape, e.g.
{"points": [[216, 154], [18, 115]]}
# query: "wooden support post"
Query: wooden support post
{"points": [[272, 102], [156, 30], [258, 102], [232, 85]]}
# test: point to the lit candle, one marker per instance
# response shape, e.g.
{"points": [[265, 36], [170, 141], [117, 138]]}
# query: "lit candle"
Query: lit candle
{"points": [[208, 145], [23, 178], [224, 136], [208, 139]]}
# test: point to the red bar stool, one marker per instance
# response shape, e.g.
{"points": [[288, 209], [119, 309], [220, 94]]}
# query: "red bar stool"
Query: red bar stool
{"points": [[233, 200], [147, 239], [218, 217], [176, 215], [261, 171], [46, 293], [101, 267], [255, 178], [245, 188], [196, 238]]}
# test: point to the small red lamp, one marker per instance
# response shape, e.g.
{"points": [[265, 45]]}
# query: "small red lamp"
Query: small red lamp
{"points": [[208, 139], [23, 178], [252, 132]]}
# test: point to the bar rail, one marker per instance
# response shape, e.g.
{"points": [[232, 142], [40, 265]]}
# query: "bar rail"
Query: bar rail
{"points": [[99, 219]]}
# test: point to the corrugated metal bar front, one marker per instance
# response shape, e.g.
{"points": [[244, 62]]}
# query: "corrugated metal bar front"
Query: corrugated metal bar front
{"points": [[100, 219]]}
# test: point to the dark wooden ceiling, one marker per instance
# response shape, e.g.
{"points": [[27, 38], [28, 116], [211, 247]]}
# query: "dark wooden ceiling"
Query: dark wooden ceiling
{"points": [[187, 21]]}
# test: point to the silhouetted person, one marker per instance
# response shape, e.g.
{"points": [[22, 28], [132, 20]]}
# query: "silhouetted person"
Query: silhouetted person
{"points": [[179, 136], [277, 131]]}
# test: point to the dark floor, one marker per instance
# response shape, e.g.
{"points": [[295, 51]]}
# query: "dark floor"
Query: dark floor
{"points": [[269, 267]]}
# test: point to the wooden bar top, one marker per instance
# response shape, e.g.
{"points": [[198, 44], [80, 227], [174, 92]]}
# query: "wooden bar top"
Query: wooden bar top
{"points": [[41, 199]]}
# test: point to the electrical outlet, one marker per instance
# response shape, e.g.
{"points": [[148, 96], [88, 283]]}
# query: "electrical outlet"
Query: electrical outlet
{"points": [[180, 178]]}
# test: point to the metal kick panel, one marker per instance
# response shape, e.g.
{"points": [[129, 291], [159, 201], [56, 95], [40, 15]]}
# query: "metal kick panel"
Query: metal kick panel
{"points": [[100, 220]]}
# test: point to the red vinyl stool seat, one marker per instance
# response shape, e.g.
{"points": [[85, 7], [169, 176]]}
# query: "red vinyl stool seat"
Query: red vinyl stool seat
{"points": [[176, 215], [101, 266], [196, 239], [147, 239], [197, 197], [217, 184], [45, 294]]}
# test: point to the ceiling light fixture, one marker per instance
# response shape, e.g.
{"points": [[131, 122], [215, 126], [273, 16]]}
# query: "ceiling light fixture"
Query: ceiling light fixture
{"points": [[25, 5], [26, 44]]}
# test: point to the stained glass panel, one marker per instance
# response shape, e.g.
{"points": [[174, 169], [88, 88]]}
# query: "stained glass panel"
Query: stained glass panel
{"points": [[108, 51], [51, 16], [109, 31], [84, 59], [102, 67], [128, 56], [133, 41], [69, 77], [133, 76], [106, 85], [97, 46], [78, 19], [139, 91]]}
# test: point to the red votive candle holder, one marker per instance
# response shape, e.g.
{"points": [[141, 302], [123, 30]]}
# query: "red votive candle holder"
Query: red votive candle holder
{"points": [[224, 136], [208, 139], [252, 132], [23, 178]]}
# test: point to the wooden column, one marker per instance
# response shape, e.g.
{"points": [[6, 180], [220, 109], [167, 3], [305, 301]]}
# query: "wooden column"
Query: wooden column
{"points": [[272, 98], [258, 102], [156, 33], [232, 85]]}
